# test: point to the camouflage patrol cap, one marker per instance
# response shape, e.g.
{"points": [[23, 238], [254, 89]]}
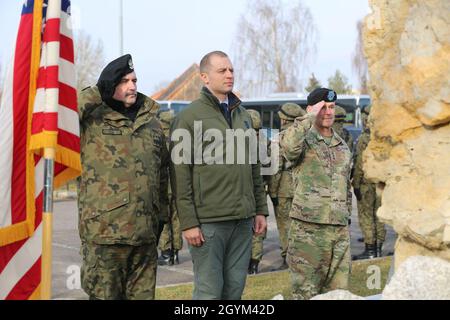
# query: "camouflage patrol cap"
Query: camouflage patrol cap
{"points": [[166, 118], [340, 113], [366, 110], [256, 119], [290, 111]]}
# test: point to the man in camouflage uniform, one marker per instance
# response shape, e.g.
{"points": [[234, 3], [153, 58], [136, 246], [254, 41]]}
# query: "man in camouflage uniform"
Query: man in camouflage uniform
{"points": [[258, 239], [122, 195], [281, 189], [171, 240], [373, 230], [339, 128], [319, 241]]}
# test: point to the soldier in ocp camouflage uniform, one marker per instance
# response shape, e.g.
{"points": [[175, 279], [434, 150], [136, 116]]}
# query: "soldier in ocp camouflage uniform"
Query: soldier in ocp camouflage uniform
{"points": [[257, 240], [171, 240], [281, 188], [122, 195], [319, 241], [373, 230]]}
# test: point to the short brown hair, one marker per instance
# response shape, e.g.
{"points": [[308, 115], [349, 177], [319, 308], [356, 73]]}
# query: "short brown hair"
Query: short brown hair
{"points": [[204, 64]]}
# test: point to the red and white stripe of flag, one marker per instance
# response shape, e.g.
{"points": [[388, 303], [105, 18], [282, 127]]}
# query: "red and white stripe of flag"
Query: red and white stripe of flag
{"points": [[53, 122]]}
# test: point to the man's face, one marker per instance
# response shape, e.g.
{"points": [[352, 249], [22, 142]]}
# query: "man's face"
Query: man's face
{"points": [[219, 77], [126, 90], [325, 117]]}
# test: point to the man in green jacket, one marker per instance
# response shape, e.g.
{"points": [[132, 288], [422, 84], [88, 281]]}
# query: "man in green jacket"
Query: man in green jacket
{"points": [[122, 196], [219, 199]]}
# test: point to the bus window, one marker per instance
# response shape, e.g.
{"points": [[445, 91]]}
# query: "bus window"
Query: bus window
{"points": [[364, 102], [266, 119], [276, 121]]}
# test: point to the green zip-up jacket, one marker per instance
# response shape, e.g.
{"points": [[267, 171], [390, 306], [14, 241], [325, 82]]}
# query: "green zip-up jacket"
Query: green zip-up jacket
{"points": [[208, 193]]}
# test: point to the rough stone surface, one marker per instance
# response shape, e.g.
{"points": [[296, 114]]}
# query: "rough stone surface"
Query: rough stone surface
{"points": [[420, 278], [338, 295], [407, 44]]}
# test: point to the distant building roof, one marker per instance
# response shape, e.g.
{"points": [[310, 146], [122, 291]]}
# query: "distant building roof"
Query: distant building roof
{"points": [[186, 87]]}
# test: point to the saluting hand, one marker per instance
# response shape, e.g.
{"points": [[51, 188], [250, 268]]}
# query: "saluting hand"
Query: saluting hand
{"points": [[315, 109], [194, 237]]}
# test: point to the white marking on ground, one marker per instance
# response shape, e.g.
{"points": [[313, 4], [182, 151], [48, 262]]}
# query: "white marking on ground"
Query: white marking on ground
{"points": [[59, 245]]}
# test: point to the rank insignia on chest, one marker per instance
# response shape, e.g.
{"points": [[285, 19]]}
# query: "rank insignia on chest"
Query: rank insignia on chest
{"points": [[112, 132], [247, 124]]}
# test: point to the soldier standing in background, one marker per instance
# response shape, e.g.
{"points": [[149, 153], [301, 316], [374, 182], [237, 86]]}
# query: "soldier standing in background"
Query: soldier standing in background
{"points": [[171, 240], [281, 189], [122, 194], [373, 230], [319, 239], [258, 239]]}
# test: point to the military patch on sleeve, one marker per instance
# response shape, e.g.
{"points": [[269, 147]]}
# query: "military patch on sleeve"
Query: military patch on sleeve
{"points": [[112, 132], [247, 124]]}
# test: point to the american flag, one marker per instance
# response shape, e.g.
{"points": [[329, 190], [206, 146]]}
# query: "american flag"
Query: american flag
{"points": [[38, 110]]}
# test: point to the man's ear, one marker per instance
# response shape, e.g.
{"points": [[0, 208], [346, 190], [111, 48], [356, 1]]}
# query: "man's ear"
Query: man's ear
{"points": [[308, 109], [204, 77]]}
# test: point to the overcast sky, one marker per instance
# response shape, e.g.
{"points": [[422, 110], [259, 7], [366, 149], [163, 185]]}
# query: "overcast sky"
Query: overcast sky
{"points": [[166, 36]]}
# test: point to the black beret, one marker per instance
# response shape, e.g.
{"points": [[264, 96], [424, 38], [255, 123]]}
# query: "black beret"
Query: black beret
{"points": [[320, 94], [112, 74]]}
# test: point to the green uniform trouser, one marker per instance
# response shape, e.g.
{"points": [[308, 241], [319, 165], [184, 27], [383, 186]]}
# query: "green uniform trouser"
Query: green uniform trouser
{"points": [[283, 222], [221, 264], [318, 257], [119, 272], [258, 246], [164, 241], [372, 229]]}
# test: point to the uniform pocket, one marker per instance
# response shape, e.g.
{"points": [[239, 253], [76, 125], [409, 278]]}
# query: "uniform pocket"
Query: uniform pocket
{"points": [[110, 204]]}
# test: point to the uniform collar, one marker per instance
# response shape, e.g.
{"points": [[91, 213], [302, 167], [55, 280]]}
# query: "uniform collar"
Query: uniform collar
{"points": [[335, 139], [233, 100], [147, 106]]}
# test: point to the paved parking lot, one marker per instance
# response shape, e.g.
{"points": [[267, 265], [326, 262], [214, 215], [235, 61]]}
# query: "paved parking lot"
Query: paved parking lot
{"points": [[67, 260]]}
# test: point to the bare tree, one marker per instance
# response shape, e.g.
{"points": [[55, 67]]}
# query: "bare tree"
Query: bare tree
{"points": [[89, 60], [274, 43], [359, 61]]}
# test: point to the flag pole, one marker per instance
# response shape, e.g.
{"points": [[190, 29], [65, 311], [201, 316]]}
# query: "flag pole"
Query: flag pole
{"points": [[47, 218], [54, 12]]}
